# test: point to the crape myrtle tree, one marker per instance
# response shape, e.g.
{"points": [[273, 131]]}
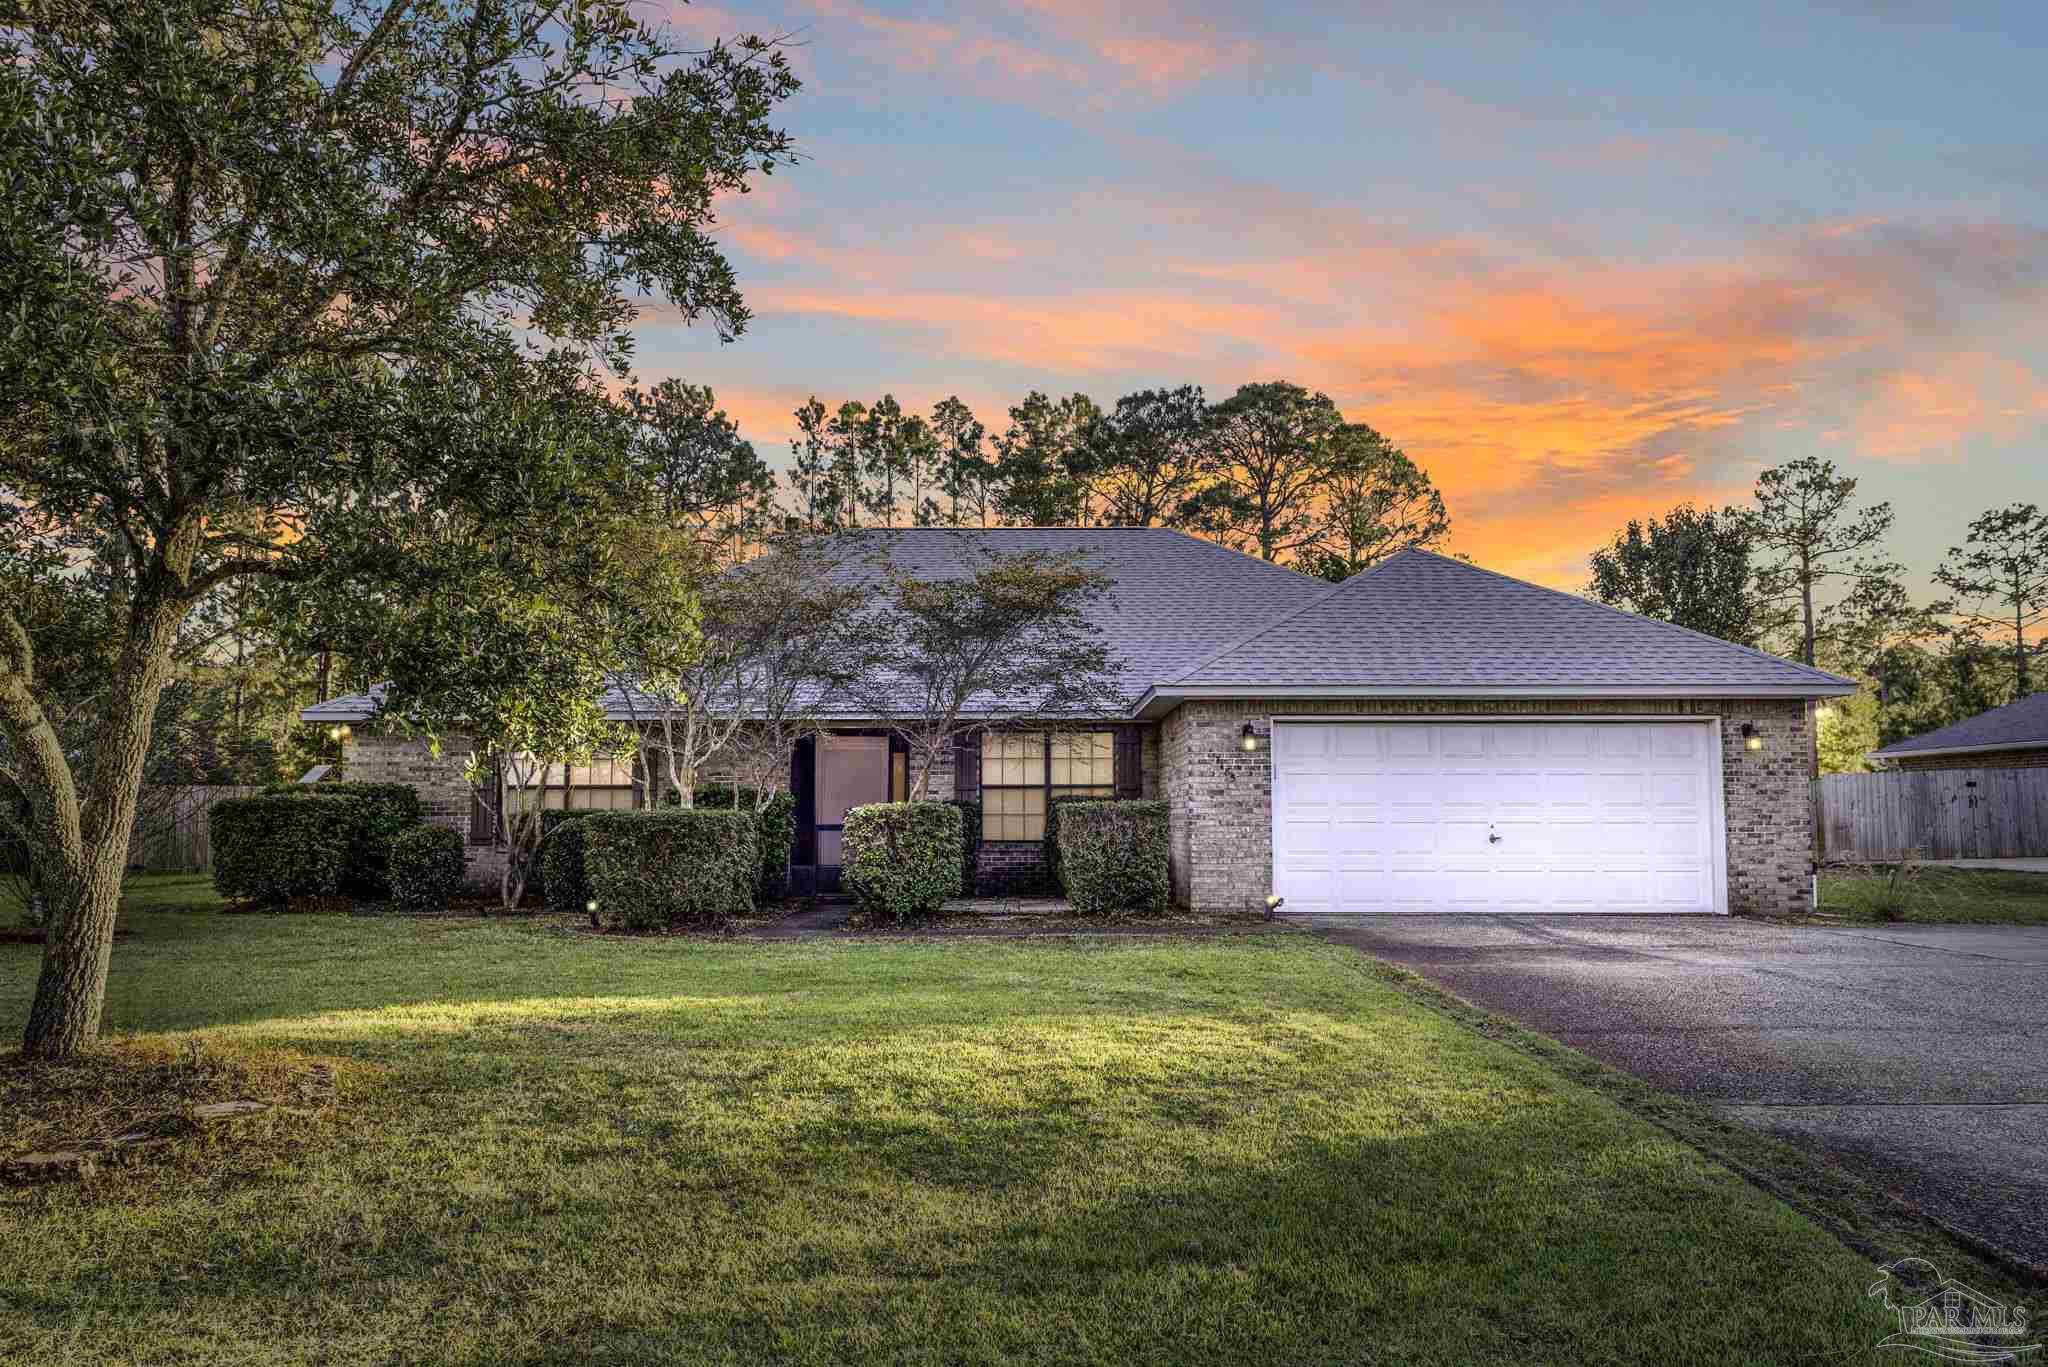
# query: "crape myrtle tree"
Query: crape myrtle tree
{"points": [[808, 641], [1691, 567], [275, 277], [1008, 640], [721, 670], [2000, 578]]}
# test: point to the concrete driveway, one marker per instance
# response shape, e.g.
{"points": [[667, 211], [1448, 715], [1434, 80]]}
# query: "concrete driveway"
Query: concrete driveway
{"points": [[1917, 1054]]}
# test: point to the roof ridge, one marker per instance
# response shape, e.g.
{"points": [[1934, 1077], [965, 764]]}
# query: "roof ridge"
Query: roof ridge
{"points": [[1204, 542], [1287, 617], [1624, 612]]}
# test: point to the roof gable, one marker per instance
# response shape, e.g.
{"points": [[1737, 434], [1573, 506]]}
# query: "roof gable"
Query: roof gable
{"points": [[2016, 726], [1421, 622]]}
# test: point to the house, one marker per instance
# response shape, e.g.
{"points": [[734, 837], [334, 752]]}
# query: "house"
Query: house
{"points": [[1427, 736], [2014, 736]]}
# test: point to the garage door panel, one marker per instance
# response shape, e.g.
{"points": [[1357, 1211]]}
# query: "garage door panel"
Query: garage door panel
{"points": [[1588, 817]]}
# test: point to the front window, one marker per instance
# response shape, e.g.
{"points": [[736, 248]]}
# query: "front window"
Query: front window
{"points": [[1021, 771], [604, 785]]}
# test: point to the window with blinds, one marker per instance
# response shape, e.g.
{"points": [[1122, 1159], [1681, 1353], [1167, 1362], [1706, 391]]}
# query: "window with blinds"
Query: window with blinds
{"points": [[1022, 771]]}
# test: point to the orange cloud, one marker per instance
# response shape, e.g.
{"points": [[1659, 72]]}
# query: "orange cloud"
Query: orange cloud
{"points": [[1925, 415]]}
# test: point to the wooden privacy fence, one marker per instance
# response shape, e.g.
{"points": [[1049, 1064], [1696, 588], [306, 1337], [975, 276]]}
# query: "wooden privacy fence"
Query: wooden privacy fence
{"points": [[1935, 813], [171, 827]]}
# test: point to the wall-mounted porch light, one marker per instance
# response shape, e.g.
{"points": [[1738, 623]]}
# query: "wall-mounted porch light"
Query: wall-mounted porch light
{"points": [[339, 732], [1248, 739], [1823, 713], [1750, 739]]}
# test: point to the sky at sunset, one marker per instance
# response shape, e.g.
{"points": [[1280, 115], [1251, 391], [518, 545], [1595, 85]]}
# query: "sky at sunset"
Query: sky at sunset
{"points": [[1579, 263]]}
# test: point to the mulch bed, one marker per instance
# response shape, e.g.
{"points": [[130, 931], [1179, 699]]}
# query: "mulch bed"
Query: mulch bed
{"points": [[156, 1112]]}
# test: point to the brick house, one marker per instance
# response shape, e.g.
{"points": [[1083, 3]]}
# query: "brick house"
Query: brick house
{"points": [[1427, 736], [2014, 736]]}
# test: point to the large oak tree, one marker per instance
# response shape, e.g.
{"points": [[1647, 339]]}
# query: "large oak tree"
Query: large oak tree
{"points": [[278, 276]]}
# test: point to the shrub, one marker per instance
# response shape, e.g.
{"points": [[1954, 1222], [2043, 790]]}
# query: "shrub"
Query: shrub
{"points": [[563, 877], [273, 847], [776, 832], [426, 867], [1054, 880], [673, 867], [970, 843], [1113, 855], [387, 810], [901, 859]]}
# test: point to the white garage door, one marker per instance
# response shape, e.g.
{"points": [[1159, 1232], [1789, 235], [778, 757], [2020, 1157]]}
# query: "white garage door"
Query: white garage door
{"points": [[1522, 816]]}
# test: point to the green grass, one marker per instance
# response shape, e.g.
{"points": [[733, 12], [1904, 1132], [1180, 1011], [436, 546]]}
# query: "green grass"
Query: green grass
{"points": [[1932, 895], [559, 1148]]}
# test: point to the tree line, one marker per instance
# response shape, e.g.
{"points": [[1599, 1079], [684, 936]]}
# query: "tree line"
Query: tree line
{"points": [[1802, 571], [1274, 471]]}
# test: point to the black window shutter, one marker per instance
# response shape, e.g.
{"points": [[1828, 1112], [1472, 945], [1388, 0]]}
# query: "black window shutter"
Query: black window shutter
{"points": [[967, 766], [802, 787], [1130, 762], [483, 816]]}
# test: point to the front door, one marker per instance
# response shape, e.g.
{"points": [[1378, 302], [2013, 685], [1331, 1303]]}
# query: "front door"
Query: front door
{"points": [[853, 771]]}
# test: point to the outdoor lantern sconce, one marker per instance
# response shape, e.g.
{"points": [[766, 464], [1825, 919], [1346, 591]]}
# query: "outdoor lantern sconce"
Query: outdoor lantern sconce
{"points": [[340, 732], [1248, 739], [1750, 739]]}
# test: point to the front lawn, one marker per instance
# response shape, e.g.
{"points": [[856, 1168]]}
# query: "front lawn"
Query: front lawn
{"points": [[556, 1148], [1933, 895]]}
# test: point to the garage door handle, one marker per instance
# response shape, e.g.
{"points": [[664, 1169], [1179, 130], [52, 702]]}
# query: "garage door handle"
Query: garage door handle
{"points": [[1492, 839]]}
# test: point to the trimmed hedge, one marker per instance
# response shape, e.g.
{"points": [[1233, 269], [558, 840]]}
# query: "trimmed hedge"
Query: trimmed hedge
{"points": [[1052, 834], [426, 867], [272, 848], [563, 879], [1113, 855], [673, 867], [970, 843], [775, 832], [388, 809], [900, 860]]}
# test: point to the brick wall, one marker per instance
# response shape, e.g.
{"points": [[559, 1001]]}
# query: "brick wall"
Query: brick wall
{"points": [[384, 757], [387, 757], [1987, 759], [1219, 798], [372, 756]]}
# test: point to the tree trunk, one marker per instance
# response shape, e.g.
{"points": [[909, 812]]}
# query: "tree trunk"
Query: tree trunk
{"points": [[2019, 649], [82, 849], [71, 992], [1806, 611]]}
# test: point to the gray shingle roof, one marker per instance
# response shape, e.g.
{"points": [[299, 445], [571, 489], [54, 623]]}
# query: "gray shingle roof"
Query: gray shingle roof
{"points": [[1174, 599], [1421, 622], [2016, 726], [1187, 617]]}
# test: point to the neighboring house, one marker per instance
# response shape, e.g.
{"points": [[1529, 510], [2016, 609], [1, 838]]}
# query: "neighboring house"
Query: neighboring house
{"points": [[2014, 736], [1427, 736]]}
